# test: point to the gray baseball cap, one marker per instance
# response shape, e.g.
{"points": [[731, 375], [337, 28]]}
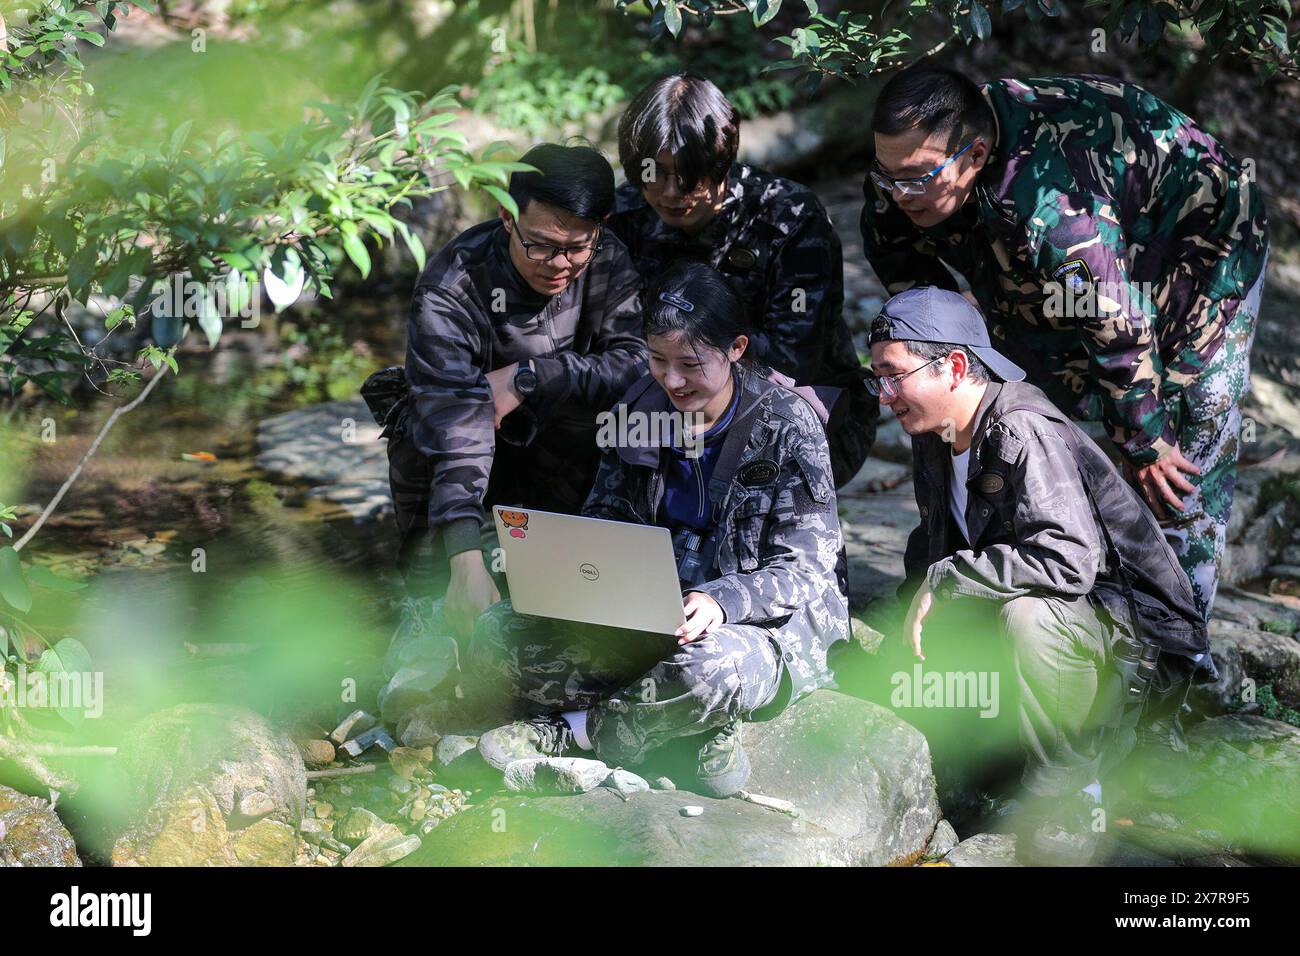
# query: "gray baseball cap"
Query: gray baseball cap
{"points": [[931, 314]]}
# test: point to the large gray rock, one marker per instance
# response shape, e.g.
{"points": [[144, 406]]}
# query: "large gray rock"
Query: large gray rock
{"points": [[1262, 539], [1247, 785], [984, 849], [1242, 652], [1257, 611], [31, 834], [334, 447], [859, 777], [207, 785]]}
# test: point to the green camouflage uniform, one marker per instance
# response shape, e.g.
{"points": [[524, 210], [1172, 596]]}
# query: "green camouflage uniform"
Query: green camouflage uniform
{"points": [[1116, 249], [779, 575]]}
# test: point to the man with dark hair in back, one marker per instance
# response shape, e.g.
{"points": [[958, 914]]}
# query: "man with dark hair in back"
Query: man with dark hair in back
{"points": [[686, 197], [522, 329], [1117, 251]]}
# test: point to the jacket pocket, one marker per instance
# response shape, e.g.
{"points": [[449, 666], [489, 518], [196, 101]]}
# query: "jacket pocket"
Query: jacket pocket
{"points": [[749, 523]]}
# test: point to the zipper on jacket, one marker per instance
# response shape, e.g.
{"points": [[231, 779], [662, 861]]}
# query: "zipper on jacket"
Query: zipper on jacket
{"points": [[702, 511], [656, 493]]}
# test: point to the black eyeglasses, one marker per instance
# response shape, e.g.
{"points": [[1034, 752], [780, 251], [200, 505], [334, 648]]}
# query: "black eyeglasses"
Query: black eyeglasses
{"points": [[545, 252]]}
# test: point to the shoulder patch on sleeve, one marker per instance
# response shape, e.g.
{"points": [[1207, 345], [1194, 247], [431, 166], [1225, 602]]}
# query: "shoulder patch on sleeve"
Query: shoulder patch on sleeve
{"points": [[1074, 275]]}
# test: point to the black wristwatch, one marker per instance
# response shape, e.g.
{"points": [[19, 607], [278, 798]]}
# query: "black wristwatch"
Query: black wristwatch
{"points": [[525, 380]]}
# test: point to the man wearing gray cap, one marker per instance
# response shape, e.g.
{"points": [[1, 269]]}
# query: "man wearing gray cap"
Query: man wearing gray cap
{"points": [[1024, 518]]}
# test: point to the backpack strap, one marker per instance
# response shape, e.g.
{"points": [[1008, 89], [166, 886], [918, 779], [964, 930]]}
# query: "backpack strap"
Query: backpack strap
{"points": [[738, 433]]}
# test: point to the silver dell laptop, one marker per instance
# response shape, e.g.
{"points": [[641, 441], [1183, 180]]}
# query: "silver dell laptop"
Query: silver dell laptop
{"points": [[614, 573]]}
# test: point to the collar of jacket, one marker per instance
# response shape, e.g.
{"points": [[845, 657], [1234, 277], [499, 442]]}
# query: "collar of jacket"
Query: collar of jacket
{"points": [[647, 397], [996, 398], [517, 286], [932, 459], [982, 417], [993, 187]]}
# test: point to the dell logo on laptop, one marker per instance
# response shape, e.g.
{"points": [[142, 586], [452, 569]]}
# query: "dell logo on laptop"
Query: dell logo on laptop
{"points": [[589, 571]]}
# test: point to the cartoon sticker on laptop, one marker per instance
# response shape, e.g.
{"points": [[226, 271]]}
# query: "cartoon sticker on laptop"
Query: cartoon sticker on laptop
{"points": [[516, 521]]}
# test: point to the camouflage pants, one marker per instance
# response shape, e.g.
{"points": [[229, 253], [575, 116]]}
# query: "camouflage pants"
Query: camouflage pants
{"points": [[1208, 417], [639, 690]]}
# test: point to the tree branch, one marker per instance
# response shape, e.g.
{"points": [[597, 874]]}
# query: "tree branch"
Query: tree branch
{"points": [[23, 756], [94, 447]]}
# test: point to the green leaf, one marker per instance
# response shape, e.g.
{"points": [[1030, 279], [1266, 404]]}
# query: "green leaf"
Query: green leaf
{"points": [[765, 10], [179, 136], [1151, 26], [413, 243], [356, 250], [209, 319], [981, 24], [69, 656], [123, 313], [503, 197], [672, 17], [401, 113], [43, 577], [12, 586], [236, 260]]}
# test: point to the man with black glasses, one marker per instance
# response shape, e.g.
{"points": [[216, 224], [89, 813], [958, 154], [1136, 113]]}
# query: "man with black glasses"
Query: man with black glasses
{"points": [[521, 331]]}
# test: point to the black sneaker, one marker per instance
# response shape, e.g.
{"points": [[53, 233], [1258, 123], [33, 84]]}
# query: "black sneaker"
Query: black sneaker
{"points": [[548, 736], [723, 766]]}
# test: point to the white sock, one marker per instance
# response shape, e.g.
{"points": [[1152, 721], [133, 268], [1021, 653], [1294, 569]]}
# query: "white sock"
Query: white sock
{"points": [[577, 721]]}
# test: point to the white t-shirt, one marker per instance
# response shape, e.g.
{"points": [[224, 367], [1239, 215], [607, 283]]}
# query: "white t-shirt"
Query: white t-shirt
{"points": [[957, 491]]}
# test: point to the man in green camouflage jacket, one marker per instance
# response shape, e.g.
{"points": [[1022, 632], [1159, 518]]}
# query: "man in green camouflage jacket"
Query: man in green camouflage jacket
{"points": [[1116, 250]]}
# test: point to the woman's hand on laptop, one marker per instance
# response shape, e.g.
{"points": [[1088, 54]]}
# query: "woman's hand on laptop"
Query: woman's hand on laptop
{"points": [[470, 592], [702, 615]]}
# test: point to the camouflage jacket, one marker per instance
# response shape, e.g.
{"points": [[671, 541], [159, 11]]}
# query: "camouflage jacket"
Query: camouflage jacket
{"points": [[472, 313], [1109, 241], [1033, 529], [774, 241], [780, 560]]}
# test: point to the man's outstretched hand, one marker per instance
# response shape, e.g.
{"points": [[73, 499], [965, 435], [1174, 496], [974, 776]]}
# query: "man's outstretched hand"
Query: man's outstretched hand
{"points": [[1158, 481], [471, 592], [922, 602]]}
